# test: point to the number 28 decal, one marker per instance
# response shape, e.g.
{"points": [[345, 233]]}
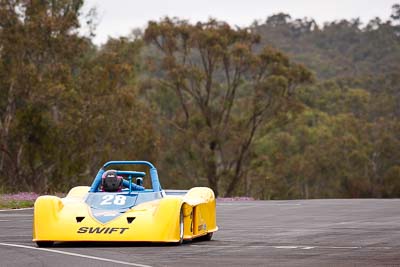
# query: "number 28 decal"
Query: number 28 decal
{"points": [[113, 199]]}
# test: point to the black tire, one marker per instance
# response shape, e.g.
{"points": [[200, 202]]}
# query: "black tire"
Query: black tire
{"points": [[181, 230], [44, 244], [181, 227], [206, 237]]}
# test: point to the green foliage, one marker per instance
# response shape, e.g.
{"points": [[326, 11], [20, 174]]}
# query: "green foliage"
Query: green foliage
{"points": [[346, 143], [207, 103], [225, 91], [16, 204], [336, 148], [338, 49], [65, 107]]}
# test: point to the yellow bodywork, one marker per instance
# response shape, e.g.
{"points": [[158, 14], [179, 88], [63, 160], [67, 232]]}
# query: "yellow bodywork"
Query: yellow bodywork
{"points": [[60, 219]]}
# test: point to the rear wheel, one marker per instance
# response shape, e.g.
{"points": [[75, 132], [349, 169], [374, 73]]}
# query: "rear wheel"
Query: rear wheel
{"points": [[206, 237], [44, 244]]}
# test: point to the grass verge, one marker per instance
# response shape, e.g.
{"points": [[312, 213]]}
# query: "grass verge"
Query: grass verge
{"points": [[16, 204], [17, 200]]}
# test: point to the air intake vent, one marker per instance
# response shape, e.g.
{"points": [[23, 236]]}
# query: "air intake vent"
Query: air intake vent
{"points": [[130, 219], [79, 219]]}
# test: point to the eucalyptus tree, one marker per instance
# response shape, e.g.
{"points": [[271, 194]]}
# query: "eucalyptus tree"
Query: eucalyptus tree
{"points": [[225, 91]]}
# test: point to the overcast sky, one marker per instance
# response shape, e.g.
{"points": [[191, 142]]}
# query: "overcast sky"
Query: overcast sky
{"points": [[118, 17]]}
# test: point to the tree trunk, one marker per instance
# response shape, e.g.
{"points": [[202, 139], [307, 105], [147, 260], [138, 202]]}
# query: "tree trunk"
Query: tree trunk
{"points": [[8, 117], [239, 162], [211, 171], [235, 179]]}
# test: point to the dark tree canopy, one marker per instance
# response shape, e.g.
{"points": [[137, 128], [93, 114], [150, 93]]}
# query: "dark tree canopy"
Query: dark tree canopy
{"points": [[226, 91]]}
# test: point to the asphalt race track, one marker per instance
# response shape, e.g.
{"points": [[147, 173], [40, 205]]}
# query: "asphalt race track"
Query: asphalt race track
{"points": [[252, 233]]}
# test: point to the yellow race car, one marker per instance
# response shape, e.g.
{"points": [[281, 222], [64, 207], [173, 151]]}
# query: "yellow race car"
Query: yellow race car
{"points": [[117, 207]]}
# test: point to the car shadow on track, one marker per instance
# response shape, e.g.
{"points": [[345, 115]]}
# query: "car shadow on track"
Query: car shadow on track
{"points": [[110, 244], [122, 244]]}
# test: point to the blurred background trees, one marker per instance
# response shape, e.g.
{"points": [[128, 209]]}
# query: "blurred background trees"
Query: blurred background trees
{"points": [[65, 106], [283, 109], [225, 91]]}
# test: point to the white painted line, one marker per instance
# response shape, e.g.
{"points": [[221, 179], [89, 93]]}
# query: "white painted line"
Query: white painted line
{"points": [[74, 254], [16, 236], [284, 204], [255, 205], [4, 220], [342, 247], [294, 247], [279, 247], [317, 247], [3, 215], [287, 247], [17, 209]]}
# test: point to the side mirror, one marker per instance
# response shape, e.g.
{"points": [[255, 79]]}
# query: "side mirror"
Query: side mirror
{"points": [[139, 181]]}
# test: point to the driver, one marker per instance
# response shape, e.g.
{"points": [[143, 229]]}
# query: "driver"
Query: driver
{"points": [[111, 182]]}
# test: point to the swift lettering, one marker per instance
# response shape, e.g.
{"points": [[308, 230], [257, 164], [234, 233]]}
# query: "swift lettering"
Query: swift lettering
{"points": [[101, 230]]}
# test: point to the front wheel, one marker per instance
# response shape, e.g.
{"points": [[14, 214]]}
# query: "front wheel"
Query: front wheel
{"points": [[181, 229], [44, 244]]}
